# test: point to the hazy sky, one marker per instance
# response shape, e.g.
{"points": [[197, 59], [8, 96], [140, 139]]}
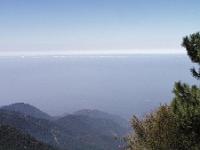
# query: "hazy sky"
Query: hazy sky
{"points": [[69, 25]]}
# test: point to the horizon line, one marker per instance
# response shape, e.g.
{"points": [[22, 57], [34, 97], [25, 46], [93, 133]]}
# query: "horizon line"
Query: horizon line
{"points": [[91, 52]]}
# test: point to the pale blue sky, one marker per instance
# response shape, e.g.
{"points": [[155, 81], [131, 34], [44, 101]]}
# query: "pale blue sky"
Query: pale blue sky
{"points": [[96, 25]]}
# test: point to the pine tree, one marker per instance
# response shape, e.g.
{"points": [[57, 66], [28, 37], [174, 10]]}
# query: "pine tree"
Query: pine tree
{"points": [[192, 45], [177, 126], [186, 103]]}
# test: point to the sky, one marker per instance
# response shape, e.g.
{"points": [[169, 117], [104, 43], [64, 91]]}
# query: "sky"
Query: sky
{"points": [[48, 26]]}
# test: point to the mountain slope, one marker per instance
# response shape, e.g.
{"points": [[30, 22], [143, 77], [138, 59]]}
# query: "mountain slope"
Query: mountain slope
{"points": [[28, 110], [103, 115], [93, 125], [92, 134], [12, 139]]}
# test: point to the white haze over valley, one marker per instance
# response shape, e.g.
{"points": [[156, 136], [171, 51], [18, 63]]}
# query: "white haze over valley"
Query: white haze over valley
{"points": [[121, 84]]}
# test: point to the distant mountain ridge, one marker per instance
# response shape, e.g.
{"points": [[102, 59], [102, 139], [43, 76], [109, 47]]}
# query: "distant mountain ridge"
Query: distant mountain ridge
{"points": [[71, 132], [28, 110]]}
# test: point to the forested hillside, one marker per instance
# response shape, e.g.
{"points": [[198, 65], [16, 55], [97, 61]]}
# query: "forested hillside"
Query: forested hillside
{"points": [[12, 139]]}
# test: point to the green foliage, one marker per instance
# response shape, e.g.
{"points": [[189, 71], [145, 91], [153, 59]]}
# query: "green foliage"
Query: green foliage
{"points": [[173, 127], [186, 108], [156, 131], [186, 102], [192, 45]]}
